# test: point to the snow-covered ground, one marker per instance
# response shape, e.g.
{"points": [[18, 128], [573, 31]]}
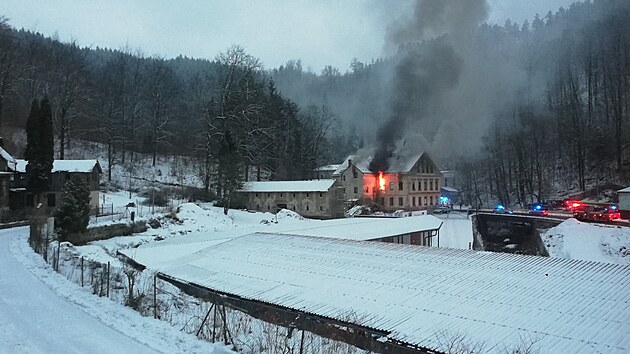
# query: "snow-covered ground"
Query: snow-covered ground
{"points": [[573, 239], [456, 231], [42, 312]]}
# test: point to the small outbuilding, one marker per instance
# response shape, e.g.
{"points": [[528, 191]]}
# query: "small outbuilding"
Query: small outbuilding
{"points": [[78, 171]]}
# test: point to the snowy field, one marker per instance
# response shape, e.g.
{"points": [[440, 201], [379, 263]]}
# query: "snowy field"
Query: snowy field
{"points": [[573, 239], [42, 312]]}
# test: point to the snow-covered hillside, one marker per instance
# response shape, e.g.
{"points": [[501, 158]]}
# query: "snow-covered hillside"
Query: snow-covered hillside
{"points": [[573, 239]]}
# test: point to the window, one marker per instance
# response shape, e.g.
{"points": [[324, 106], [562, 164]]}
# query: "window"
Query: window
{"points": [[321, 195], [256, 195], [400, 186], [355, 174], [257, 206], [308, 195], [425, 184], [267, 207], [356, 190], [321, 208], [400, 201], [281, 195], [425, 200], [431, 200], [391, 186], [293, 195], [431, 185], [413, 201], [343, 178], [293, 207], [437, 184], [391, 201], [413, 186], [431, 167], [268, 194], [367, 189], [51, 200], [382, 201], [307, 208]]}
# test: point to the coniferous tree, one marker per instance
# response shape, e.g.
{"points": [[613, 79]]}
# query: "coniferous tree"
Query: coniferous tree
{"points": [[39, 150], [73, 215]]}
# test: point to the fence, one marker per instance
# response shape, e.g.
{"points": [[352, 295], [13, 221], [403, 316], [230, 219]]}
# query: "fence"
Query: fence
{"points": [[111, 213], [150, 296]]}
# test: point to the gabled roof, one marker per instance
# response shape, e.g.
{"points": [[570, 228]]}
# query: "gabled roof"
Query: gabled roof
{"points": [[415, 293], [78, 166], [5, 155], [322, 185], [625, 190], [397, 163]]}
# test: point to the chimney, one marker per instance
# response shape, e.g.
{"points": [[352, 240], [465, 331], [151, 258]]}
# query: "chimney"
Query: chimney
{"points": [[349, 162]]}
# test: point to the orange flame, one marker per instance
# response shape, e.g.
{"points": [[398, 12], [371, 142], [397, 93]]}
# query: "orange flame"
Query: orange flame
{"points": [[381, 181]]}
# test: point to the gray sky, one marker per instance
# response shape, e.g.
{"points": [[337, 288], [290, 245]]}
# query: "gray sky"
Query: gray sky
{"points": [[318, 32]]}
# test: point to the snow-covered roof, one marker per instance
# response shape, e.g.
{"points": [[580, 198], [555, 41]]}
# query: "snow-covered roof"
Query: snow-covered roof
{"points": [[625, 190], [81, 166], [5, 155], [416, 293], [321, 185], [328, 168], [450, 189], [397, 163], [364, 229]]}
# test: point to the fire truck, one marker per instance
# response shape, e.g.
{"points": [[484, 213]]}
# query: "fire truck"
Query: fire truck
{"points": [[595, 211]]}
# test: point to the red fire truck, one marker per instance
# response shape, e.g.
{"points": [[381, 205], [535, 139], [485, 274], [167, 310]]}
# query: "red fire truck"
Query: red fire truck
{"points": [[595, 211]]}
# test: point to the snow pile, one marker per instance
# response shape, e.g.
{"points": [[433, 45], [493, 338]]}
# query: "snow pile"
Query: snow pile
{"points": [[288, 214], [573, 239]]}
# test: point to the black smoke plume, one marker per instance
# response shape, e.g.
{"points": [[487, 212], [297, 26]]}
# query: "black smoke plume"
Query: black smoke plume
{"points": [[429, 68]]}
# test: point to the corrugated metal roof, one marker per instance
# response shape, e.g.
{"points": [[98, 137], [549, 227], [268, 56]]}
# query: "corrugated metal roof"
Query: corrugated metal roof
{"points": [[422, 294], [322, 185], [364, 229]]}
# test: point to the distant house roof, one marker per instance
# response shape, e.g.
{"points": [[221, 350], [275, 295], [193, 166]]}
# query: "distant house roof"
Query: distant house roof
{"points": [[322, 185], [397, 163], [80, 166], [5, 155], [450, 189], [328, 168], [625, 190], [365, 229], [414, 293]]}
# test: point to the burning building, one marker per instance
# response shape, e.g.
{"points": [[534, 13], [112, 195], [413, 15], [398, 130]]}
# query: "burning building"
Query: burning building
{"points": [[406, 182]]}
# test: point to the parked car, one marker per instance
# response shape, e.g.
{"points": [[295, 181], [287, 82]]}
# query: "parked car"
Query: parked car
{"points": [[539, 209], [500, 209], [441, 210]]}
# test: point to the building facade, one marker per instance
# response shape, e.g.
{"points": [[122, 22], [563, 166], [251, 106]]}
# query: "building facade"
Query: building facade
{"points": [[87, 172], [315, 199], [410, 183]]}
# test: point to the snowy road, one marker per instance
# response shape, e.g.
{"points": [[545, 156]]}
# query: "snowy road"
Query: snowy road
{"points": [[41, 312]]}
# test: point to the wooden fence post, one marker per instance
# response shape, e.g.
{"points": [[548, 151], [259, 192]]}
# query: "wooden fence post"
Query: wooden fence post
{"points": [[107, 278], [154, 296]]}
